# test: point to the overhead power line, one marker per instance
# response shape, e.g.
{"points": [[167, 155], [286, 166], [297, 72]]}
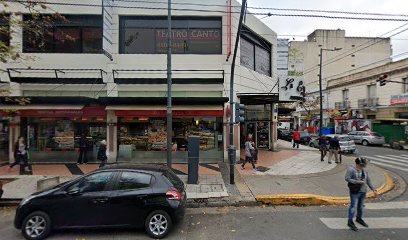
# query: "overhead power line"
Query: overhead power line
{"points": [[219, 11]]}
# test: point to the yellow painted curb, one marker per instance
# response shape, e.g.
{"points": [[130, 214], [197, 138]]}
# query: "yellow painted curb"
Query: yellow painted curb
{"points": [[313, 199]]}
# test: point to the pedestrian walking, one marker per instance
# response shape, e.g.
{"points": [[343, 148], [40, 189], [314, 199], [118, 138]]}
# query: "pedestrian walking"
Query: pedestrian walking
{"points": [[358, 179], [20, 155], [296, 138], [83, 149], [334, 147], [1, 189], [249, 152], [323, 146], [102, 157]]}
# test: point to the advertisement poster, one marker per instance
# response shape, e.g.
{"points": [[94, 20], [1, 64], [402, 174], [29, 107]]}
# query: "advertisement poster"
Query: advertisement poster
{"points": [[346, 126], [64, 135], [157, 134]]}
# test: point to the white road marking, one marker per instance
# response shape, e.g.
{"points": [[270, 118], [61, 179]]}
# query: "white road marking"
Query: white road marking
{"points": [[388, 161], [387, 205], [393, 158], [373, 223], [391, 166]]}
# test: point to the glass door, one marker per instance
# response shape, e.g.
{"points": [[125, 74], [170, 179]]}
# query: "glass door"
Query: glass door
{"points": [[262, 135]]}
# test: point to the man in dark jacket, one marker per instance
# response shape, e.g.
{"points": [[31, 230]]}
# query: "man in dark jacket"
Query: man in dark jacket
{"points": [[358, 179], [323, 146], [102, 154], [83, 148], [334, 147]]}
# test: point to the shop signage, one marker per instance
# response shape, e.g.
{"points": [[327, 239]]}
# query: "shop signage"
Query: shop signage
{"points": [[291, 88], [399, 99], [176, 113], [87, 111]]}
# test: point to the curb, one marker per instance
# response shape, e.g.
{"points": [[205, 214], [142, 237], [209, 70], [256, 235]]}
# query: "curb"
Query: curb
{"points": [[313, 199]]}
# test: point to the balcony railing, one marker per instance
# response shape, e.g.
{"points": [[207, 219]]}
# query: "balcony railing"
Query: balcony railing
{"points": [[342, 105], [367, 102]]}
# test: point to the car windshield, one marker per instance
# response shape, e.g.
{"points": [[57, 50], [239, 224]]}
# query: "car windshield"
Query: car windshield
{"points": [[376, 134], [304, 134], [173, 179]]}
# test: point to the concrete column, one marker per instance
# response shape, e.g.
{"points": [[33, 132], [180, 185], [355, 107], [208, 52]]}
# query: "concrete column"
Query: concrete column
{"points": [[274, 124], [112, 136], [14, 133]]}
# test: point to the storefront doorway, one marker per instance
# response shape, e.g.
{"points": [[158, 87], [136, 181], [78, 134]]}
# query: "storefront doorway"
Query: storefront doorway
{"points": [[4, 139]]}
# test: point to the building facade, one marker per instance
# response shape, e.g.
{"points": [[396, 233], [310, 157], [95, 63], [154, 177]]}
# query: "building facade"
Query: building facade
{"points": [[101, 73], [353, 54], [359, 100]]}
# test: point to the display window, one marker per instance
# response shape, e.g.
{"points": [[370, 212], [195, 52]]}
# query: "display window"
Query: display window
{"points": [[4, 138], [145, 139], [58, 139]]}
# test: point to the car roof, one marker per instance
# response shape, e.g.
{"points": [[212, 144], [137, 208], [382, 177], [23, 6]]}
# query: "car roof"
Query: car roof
{"points": [[338, 135], [161, 168]]}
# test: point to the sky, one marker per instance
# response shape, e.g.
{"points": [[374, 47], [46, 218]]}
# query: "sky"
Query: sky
{"points": [[290, 27]]}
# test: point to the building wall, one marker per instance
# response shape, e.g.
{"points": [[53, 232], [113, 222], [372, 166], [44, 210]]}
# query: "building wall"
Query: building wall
{"points": [[357, 84], [247, 81], [369, 56]]}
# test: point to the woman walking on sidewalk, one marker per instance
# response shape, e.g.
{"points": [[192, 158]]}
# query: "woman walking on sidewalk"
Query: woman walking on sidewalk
{"points": [[249, 152], [20, 155]]}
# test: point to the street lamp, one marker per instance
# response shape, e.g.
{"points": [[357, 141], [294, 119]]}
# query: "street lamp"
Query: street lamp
{"points": [[320, 86]]}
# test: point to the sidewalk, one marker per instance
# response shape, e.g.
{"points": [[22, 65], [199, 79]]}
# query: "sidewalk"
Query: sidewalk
{"points": [[210, 185], [292, 176]]}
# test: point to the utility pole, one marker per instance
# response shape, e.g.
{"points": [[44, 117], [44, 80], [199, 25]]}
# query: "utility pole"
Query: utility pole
{"points": [[321, 93], [231, 149], [169, 96]]}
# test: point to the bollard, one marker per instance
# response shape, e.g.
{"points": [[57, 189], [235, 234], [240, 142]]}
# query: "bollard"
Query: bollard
{"points": [[193, 159]]}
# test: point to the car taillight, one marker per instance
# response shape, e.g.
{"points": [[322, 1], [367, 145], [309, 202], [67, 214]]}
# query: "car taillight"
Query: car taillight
{"points": [[173, 195]]}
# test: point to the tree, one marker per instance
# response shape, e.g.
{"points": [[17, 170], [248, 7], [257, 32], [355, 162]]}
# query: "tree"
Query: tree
{"points": [[39, 13], [310, 108]]}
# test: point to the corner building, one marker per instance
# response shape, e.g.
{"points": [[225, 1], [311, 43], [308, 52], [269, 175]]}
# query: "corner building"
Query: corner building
{"points": [[102, 74]]}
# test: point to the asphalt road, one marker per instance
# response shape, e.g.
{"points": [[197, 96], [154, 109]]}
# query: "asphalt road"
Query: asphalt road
{"points": [[279, 223], [393, 160]]}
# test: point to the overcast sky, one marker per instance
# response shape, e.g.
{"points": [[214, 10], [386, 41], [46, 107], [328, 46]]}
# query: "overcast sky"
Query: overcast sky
{"points": [[303, 26]]}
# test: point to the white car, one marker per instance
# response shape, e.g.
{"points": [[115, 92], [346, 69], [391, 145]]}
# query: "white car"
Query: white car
{"points": [[346, 143], [367, 138]]}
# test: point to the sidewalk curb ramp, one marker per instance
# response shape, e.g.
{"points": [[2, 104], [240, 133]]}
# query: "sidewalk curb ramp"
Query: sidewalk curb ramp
{"points": [[313, 199]]}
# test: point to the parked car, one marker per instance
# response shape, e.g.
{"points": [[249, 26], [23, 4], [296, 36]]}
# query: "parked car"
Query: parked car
{"points": [[285, 134], [305, 138], [288, 136], [367, 138], [346, 143], [150, 197]]}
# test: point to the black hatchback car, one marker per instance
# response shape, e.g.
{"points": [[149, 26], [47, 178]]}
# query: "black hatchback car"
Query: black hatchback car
{"points": [[150, 197]]}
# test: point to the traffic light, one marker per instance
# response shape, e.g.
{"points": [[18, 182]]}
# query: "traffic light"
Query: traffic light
{"points": [[383, 79], [239, 113]]}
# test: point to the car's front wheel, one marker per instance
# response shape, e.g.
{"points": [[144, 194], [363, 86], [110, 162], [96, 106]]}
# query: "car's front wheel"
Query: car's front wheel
{"points": [[158, 224], [364, 142], [36, 226]]}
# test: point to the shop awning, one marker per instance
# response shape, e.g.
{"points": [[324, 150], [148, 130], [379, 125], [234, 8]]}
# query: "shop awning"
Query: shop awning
{"points": [[40, 107], [258, 99], [162, 107]]}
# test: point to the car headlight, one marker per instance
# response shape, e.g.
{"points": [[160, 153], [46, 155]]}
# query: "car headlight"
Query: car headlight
{"points": [[26, 200]]}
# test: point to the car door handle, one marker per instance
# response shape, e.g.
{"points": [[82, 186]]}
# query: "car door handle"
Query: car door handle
{"points": [[100, 200]]}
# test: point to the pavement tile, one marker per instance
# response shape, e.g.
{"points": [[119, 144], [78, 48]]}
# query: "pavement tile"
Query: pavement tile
{"points": [[51, 169]]}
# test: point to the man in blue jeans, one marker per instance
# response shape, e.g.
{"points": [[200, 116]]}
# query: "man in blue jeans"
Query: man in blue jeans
{"points": [[358, 180]]}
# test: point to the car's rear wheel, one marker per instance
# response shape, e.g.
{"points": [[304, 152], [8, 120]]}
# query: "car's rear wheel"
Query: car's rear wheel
{"points": [[158, 224], [364, 142], [36, 226]]}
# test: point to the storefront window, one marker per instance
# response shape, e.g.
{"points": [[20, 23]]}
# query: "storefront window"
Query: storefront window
{"points": [[144, 139], [57, 139]]}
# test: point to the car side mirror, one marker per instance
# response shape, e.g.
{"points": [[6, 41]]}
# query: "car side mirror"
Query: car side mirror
{"points": [[74, 191]]}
